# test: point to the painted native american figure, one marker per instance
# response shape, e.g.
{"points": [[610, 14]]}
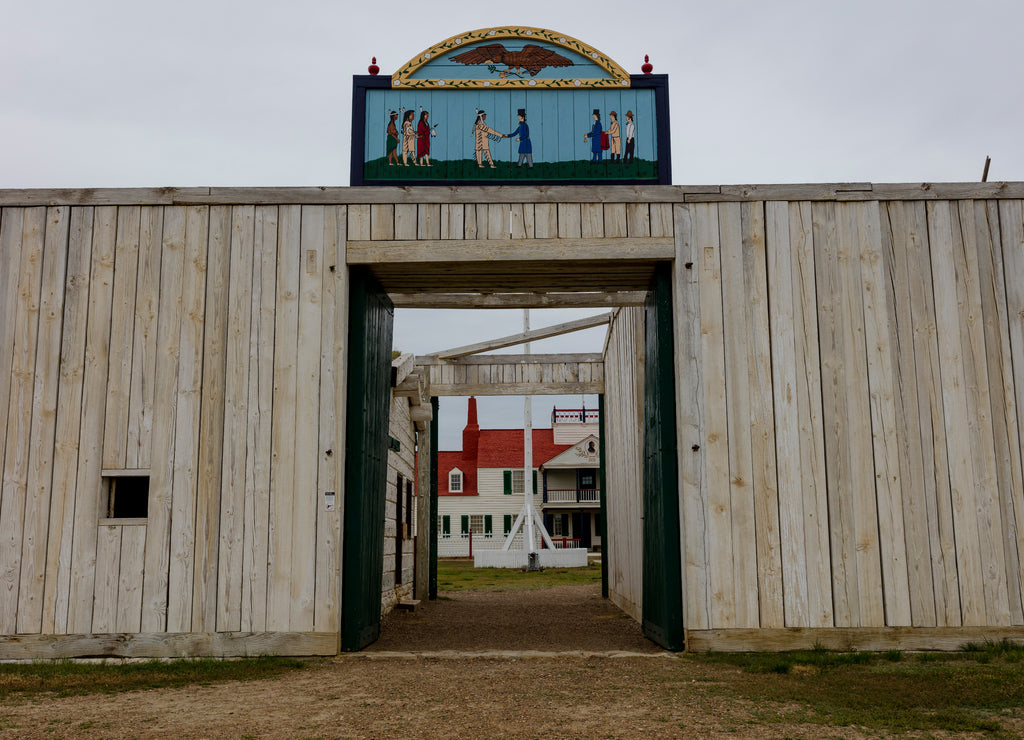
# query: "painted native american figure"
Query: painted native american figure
{"points": [[531, 58]]}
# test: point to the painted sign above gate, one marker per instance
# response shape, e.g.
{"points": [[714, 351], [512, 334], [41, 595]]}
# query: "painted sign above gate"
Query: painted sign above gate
{"points": [[508, 106]]}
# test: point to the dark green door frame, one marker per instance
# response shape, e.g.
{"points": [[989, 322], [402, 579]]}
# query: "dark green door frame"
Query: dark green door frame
{"points": [[662, 606], [371, 319]]}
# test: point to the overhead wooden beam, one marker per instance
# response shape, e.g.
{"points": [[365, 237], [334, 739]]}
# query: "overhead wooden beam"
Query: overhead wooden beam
{"points": [[568, 388], [401, 366], [531, 359], [519, 300], [526, 336], [507, 250]]}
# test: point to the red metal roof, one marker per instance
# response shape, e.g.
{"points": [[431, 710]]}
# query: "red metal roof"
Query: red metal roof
{"points": [[498, 448]]}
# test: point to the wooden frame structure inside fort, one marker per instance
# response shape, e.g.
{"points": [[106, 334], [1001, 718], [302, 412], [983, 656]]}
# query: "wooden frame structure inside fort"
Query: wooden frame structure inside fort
{"points": [[848, 367]]}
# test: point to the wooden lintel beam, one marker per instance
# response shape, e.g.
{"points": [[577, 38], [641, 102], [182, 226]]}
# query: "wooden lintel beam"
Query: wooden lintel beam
{"points": [[417, 251], [526, 336], [531, 359], [401, 366], [569, 388], [519, 300], [409, 387]]}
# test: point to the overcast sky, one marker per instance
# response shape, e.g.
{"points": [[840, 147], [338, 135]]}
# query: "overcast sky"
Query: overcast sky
{"points": [[111, 93]]}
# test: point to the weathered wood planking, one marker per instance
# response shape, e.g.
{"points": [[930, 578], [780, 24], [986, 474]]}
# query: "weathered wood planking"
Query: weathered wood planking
{"points": [[231, 473], [260, 397], [970, 567], [167, 645], [203, 227], [307, 420], [19, 415], [69, 419], [884, 430], [44, 417], [691, 423], [282, 459], [1011, 233], [847, 638], [140, 413], [122, 333]]}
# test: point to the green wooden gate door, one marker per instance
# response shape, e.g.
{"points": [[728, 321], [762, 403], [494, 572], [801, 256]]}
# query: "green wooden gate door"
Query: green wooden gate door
{"points": [[371, 318], [662, 575]]}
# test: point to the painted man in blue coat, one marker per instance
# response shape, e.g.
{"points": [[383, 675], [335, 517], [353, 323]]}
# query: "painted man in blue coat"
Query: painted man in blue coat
{"points": [[595, 138], [525, 147]]}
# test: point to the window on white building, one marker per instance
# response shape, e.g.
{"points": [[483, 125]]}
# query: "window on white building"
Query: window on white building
{"points": [[476, 523], [455, 481]]}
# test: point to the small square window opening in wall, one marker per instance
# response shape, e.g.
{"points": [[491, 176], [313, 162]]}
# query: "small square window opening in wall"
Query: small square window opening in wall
{"points": [[126, 494]]}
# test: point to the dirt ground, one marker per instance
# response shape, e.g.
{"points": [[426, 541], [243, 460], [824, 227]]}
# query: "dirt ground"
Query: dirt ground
{"points": [[435, 673]]}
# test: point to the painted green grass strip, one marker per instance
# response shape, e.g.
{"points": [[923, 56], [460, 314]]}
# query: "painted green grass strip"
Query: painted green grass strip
{"points": [[467, 169]]}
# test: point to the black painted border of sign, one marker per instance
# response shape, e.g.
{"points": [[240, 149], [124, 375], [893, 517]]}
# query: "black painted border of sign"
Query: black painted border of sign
{"points": [[362, 83]]}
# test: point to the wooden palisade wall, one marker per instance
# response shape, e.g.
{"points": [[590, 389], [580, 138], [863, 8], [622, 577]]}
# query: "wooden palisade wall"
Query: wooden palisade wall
{"points": [[201, 346], [850, 404]]}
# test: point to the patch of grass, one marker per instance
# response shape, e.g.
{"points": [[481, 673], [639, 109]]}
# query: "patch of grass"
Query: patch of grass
{"points": [[467, 169], [947, 692], [460, 575], [70, 678]]}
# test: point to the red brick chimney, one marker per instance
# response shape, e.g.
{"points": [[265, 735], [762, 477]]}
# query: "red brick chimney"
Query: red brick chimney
{"points": [[471, 435]]}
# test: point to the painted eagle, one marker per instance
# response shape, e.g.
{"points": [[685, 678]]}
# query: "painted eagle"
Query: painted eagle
{"points": [[532, 58]]}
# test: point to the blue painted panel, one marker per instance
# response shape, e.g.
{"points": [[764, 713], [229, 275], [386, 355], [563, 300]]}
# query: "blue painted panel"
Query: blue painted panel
{"points": [[558, 119]]}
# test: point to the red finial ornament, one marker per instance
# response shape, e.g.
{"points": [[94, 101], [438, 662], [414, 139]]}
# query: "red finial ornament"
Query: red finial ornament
{"points": [[647, 67], [373, 68]]}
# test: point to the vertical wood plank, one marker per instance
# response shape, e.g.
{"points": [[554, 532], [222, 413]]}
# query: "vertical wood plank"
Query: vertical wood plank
{"points": [[908, 427], [129, 585], [931, 415], [545, 217], [787, 420], [1011, 254], [11, 227], [615, 220], [258, 431], [858, 422], [108, 569], [592, 220], [638, 220], [19, 416], [884, 431], [140, 412], [470, 230], [979, 410], [206, 231], [954, 397], [1005, 432], [359, 222], [764, 480], [835, 415], [498, 221], [307, 420], [741, 495], [690, 421], [716, 480], [428, 221], [382, 221], [325, 601], [69, 420], [405, 221], [811, 422], [165, 401], [90, 452], [569, 226], [226, 559], [661, 219], [282, 472], [44, 419], [122, 333]]}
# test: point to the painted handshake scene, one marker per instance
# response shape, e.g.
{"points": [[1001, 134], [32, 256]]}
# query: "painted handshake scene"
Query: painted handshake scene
{"points": [[537, 106]]}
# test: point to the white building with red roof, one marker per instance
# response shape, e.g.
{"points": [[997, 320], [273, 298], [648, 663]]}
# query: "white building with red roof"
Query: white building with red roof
{"points": [[481, 487]]}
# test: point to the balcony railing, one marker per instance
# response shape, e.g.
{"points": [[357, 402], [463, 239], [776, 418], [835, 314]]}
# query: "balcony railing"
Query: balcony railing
{"points": [[572, 496]]}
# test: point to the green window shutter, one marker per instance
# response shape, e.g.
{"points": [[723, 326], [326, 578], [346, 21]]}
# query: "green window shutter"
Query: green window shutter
{"points": [[507, 479], [446, 525], [488, 524], [535, 490], [465, 524], [508, 523]]}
